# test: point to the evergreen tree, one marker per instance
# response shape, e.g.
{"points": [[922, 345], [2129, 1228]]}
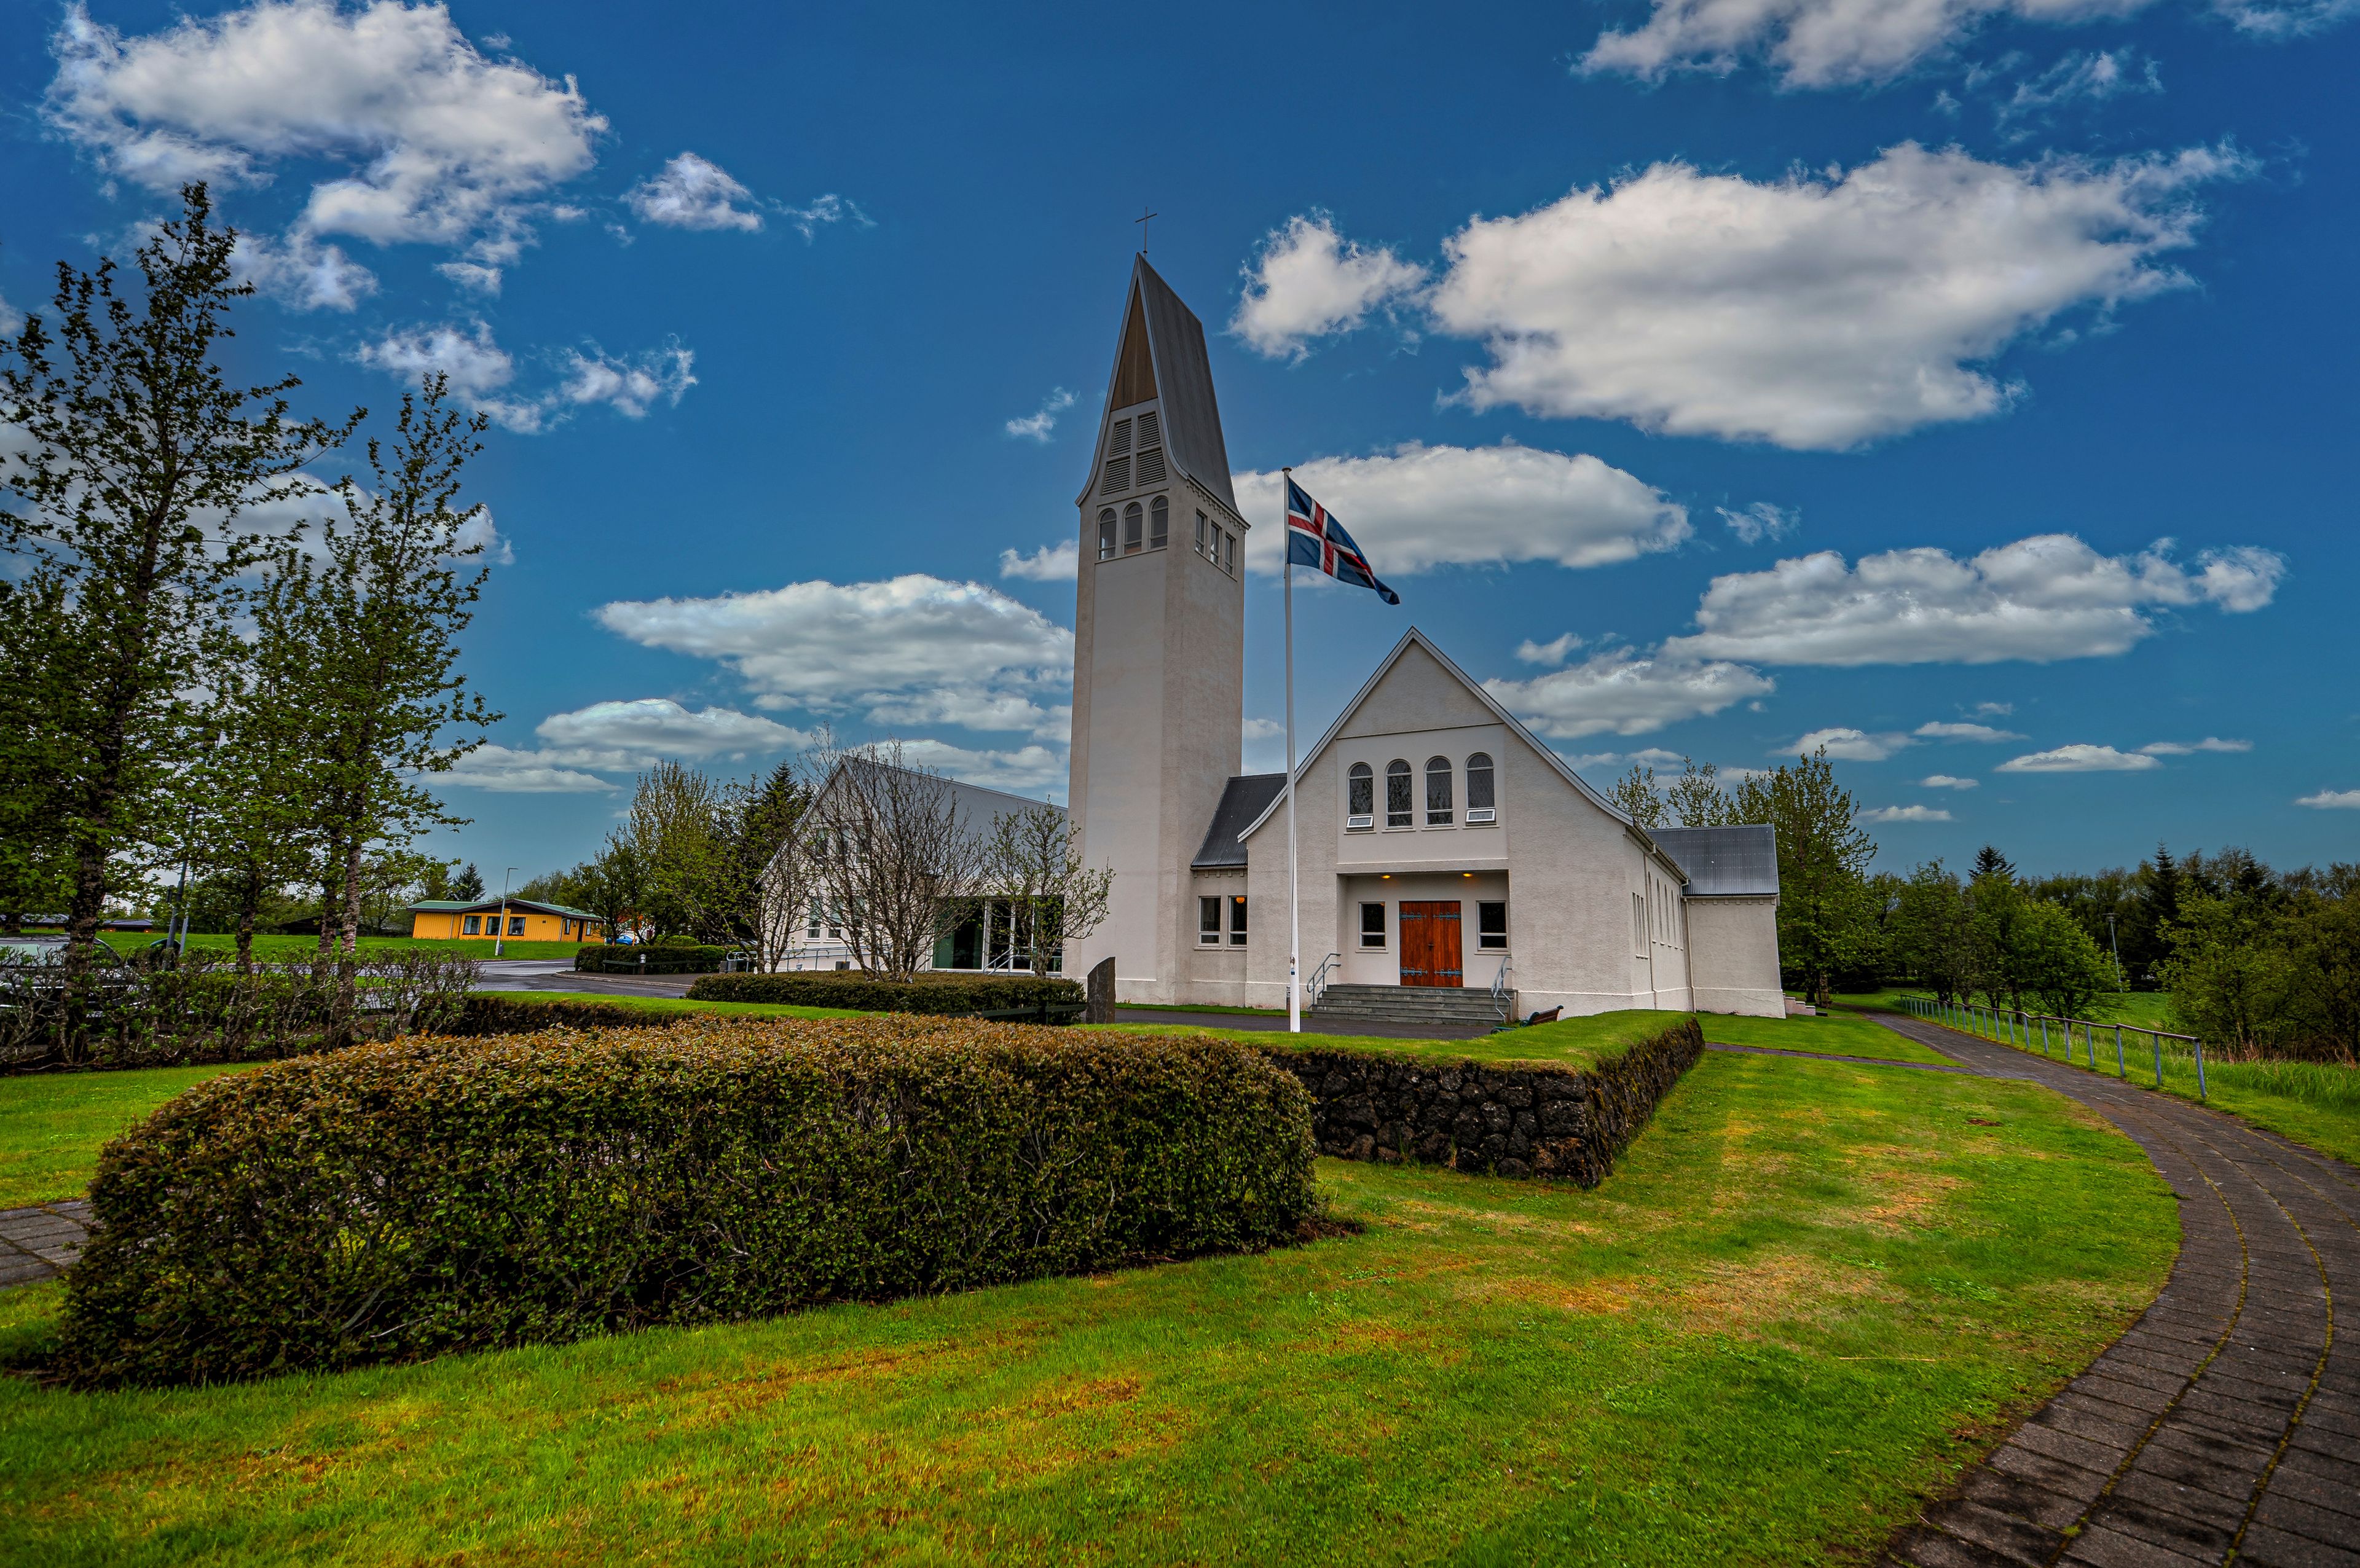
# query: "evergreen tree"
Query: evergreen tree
{"points": [[1990, 861], [467, 886], [138, 459]]}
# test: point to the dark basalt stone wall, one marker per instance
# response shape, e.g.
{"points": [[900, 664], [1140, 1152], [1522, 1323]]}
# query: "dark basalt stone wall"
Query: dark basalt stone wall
{"points": [[1520, 1119]]}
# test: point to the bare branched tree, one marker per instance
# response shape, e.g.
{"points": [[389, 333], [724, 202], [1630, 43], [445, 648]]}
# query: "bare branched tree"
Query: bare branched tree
{"points": [[896, 857], [1030, 862], [776, 831]]}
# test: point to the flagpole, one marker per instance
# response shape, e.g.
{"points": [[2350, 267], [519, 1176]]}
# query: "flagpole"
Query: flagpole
{"points": [[1294, 896]]}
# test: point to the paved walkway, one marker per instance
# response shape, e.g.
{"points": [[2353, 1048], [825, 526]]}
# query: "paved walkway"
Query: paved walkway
{"points": [[40, 1241], [2225, 1425]]}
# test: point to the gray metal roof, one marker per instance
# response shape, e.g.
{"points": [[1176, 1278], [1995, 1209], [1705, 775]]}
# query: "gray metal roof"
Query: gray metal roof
{"points": [[1243, 799], [979, 808], [1724, 863], [1183, 380]]}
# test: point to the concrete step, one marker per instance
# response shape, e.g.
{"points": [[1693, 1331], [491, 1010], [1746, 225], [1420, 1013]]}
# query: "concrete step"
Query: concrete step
{"points": [[1431, 1005]]}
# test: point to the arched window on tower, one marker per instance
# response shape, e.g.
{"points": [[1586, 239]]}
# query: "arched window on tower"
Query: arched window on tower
{"points": [[1437, 792], [1105, 534], [1133, 521], [1480, 803], [1361, 797], [1397, 796], [1159, 523]]}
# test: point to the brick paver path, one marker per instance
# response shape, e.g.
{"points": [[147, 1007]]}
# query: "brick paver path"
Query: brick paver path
{"points": [[40, 1241], [2225, 1425]]}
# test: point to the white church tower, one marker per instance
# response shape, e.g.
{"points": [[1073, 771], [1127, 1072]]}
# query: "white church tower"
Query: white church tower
{"points": [[1159, 640]]}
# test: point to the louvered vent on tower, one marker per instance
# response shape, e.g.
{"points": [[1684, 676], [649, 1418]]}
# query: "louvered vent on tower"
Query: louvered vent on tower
{"points": [[1150, 467], [1118, 476], [1150, 430], [1120, 441]]}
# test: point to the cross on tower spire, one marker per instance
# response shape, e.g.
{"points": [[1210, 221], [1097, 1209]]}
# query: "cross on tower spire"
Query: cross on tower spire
{"points": [[1141, 220]]}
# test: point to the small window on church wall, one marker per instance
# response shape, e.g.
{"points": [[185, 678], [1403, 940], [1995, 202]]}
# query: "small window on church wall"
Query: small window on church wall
{"points": [[1437, 792], [1230, 554], [1159, 523], [1200, 533], [1208, 921], [1397, 796], [1106, 533], [1373, 925], [1360, 795], [1119, 440], [1480, 804], [1492, 927], [1131, 522], [1238, 919]]}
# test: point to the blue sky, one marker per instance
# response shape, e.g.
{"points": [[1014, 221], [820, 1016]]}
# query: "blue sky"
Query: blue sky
{"points": [[1969, 390]]}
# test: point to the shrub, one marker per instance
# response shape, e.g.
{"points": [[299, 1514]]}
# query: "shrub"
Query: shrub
{"points": [[666, 955], [489, 1013], [400, 1201], [941, 995]]}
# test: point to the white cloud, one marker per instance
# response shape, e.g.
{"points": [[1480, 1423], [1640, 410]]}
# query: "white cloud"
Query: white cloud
{"points": [[2333, 800], [506, 771], [691, 192], [2187, 748], [1994, 710], [632, 735], [301, 273], [1852, 745], [1654, 756], [434, 143], [629, 385], [2081, 758], [2078, 77], [1024, 770], [1760, 521], [1036, 426], [481, 371], [1620, 692], [1834, 43], [1550, 654], [1945, 781], [1307, 282], [1050, 564], [915, 650], [2040, 599], [1905, 814], [471, 276], [1819, 310], [11, 319], [1940, 731], [828, 209], [1417, 507]]}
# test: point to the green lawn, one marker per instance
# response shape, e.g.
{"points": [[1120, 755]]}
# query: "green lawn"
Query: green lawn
{"points": [[1809, 1295], [2144, 1009], [1833, 1034], [279, 948], [53, 1124], [1578, 1042]]}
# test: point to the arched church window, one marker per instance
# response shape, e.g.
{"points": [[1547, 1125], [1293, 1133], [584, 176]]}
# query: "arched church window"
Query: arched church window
{"points": [[1360, 795], [1105, 534], [1131, 518], [1480, 803], [1397, 797], [1159, 523], [1437, 792]]}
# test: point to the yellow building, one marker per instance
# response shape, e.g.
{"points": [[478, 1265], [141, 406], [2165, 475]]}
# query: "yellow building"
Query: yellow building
{"points": [[445, 919]]}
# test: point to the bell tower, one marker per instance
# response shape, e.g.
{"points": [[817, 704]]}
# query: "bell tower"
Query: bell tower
{"points": [[1159, 639]]}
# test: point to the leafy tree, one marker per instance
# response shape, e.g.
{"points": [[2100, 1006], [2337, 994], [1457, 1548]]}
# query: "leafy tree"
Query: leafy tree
{"points": [[2062, 970], [2231, 981], [36, 863], [138, 458], [1030, 864], [382, 611], [1695, 796], [1636, 794], [680, 836], [1827, 918], [1934, 931]]}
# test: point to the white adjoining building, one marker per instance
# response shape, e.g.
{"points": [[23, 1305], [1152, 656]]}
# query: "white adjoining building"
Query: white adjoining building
{"points": [[1442, 845]]}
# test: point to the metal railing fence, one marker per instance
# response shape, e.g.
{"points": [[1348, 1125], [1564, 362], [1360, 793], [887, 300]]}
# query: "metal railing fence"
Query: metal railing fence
{"points": [[2012, 1027]]}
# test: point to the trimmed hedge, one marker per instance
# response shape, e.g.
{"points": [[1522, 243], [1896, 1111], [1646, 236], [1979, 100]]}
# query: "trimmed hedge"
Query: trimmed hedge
{"points": [[488, 1013], [943, 996], [652, 958], [395, 1201], [1526, 1118]]}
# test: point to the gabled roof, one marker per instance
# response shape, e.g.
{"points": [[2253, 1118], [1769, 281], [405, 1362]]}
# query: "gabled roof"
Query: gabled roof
{"points": [[1415, 638], [1163, 338], [979, 807], [492, 907], [1725, 862], [1243, 800]]}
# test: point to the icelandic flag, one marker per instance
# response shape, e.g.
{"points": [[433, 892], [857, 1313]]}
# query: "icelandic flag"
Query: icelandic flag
{"points": [[1314, 538]]}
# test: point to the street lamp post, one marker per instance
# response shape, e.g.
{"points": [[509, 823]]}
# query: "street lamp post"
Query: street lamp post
{"points": [[500, 937], [2115, 937]]}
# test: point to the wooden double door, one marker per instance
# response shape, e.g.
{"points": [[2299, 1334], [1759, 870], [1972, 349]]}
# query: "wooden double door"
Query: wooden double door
{"points": [[1429, 943]]}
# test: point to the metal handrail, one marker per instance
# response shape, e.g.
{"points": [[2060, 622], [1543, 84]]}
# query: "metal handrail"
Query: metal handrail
{"points": [[2001, 1025], [1503, 996], [1321, 978]]}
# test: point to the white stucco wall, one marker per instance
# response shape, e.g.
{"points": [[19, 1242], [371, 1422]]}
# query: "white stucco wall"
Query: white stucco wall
{"points": [[1735, 956]]}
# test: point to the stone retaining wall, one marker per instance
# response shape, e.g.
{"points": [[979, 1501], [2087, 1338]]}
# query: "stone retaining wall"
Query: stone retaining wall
{"points": [[1521, 1119]]}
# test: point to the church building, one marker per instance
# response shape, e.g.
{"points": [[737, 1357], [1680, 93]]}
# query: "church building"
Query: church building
{"points": [[1443, 848]]}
